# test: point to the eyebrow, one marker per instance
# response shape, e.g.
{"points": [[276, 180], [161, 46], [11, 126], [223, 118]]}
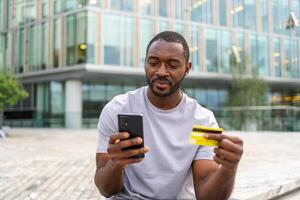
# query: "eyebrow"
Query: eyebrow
{"points": [[169, 60]]}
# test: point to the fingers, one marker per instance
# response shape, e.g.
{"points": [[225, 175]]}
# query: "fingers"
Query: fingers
{"points": [[117, 137], [219, 137]]}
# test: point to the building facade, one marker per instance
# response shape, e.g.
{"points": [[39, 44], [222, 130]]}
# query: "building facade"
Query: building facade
{"points": [[73, 56]]}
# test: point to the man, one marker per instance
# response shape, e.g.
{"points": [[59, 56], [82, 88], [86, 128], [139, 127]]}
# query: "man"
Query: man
{"points": [[172, 168]]}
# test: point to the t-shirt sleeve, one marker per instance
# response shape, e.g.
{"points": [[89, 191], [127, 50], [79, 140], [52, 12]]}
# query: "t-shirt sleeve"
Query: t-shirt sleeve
{"points": [[207, 152], [107, 126]]}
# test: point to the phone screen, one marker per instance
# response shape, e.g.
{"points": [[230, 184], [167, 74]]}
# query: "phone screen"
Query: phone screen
{"points": [[133, 124]]}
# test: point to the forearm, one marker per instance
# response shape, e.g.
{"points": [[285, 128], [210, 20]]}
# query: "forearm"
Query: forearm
{"points": [[218, 186], [109, 179]]}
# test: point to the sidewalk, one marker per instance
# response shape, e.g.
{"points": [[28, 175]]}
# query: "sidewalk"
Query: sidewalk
{"points": [[59, 164]]}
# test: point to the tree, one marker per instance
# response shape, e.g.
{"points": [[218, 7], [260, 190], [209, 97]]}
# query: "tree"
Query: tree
{"points": [[245, 91], [11, 92]]}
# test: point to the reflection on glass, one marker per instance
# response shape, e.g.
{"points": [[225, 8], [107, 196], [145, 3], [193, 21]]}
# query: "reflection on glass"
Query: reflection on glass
{"points": [[244, 13], [194, 47], [91, 37], [211, 60], [123, 5], [222, 12], [297, 12], [145, 37], [264, 15], [32, 48], [145, 7], [44, 8], [291, 62], [118, 40], [112, 91], [43, 46], [178, 28], [276, 57], [56, 42], [56, 98], [280, 10], [57, 6], [201, 11], [225, 47], [259, 55], [2, 52], [162, 8], [200, 96], [20, 67], [76, 38], [212, 97], [178, 9], [161, 26], [241, 47]]}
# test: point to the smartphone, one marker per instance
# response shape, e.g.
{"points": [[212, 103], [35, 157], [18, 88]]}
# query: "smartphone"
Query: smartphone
{"points": [[133, 124]]}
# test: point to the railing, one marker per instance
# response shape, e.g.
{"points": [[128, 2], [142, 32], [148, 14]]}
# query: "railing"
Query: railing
{"points": [[259, 118]]}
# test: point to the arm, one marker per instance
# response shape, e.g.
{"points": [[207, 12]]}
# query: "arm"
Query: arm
{"points": [[111, 165], [214, 180]]}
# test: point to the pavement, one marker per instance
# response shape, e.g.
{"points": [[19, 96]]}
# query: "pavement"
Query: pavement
{"points": [[60, 164]]}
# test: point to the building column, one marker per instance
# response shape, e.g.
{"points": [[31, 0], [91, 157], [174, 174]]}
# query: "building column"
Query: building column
{"points": [[73, 104]]}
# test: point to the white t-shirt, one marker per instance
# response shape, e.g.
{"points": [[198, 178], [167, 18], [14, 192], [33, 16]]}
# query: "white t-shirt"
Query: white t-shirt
{"points": [[165, 172]]}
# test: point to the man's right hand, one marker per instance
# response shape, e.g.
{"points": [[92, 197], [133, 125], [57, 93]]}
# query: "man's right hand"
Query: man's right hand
{"points": [[121, 158]]}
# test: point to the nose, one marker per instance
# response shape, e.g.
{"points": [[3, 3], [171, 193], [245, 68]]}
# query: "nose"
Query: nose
{"points": [[162, 70]]}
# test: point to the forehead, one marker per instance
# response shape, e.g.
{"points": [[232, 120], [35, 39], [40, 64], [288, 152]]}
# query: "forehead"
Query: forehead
{"points": [[163, 48]]}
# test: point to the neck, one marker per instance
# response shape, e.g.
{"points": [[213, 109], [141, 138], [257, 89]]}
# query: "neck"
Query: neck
{"points": [[165, 103]]}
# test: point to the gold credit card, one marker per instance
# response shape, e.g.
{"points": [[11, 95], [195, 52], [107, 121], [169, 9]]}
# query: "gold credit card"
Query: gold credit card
{"points": [[196, 136]]}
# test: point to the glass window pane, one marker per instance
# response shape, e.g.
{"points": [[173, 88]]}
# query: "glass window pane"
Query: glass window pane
{"points": [[200, 96], [280, 10], [44, 8], [2, 52], [56, 42], [178, 28], [145, 7], [211, 60], [259, 55], [212, 97], [222, 12], [250, 14], [112, 91], [98, 3], [264, 15], [57, 6], [162, 8], [31, 10], [32, 48], [276, 57], [225, 51], [291, 58], [145, 37], [178, 9], [118, 40], [201, 11], [123, 5], [91, 37], [194, 48], [71, 39], [43, 53], [297, 12], [161, 26], [241, 47], [20, 67], [57, 98]]}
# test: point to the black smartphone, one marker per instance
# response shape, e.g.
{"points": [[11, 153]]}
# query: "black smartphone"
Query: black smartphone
{"points": [[133, 124]]}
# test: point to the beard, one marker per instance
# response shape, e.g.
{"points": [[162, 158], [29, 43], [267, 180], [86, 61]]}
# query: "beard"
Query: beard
{"points": [[174, 86]]}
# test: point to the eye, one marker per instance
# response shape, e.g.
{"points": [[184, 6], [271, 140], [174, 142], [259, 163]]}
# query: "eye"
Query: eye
{"points": [[173, 65], [153, 63]]}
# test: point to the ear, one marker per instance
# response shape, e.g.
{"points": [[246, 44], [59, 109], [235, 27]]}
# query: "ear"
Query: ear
{"points": [[188, 67]]}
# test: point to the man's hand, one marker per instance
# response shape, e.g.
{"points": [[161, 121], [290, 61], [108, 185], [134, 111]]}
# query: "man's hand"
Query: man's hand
{"points": [[229, 151], [121, 158]]}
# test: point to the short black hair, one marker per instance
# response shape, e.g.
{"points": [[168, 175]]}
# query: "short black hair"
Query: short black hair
{"points": [[171, 36]]}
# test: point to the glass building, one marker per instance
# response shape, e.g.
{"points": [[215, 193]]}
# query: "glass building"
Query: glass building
{"points": [[73, 56]]}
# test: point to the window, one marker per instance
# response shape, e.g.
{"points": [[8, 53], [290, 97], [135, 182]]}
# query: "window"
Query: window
{"points": [[264, 15], [223, 12], [123, 5], [297, 12], [20, 65], [280, 10], [259, 55], [291, 63], [145, 7], [276, 57], [178, 9], [76, 38], [194, 47], [244, 13], [57, 6], [225, 50], [91, 37], [2, 52], [162, 26], [201, 11], [118, 40], [145, 37], [179, 28], [162, 8], [43, 46], [241, 48], [32, 48], [56, 42], [1, 16], [211, 60], [44, 8]]}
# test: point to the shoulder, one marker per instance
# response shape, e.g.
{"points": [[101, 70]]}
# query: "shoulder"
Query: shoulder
{"points": [[200, 112], [123, 102]]}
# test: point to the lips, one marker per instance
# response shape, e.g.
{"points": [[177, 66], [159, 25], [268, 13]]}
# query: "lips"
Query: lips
{"points": [[161, 84]]}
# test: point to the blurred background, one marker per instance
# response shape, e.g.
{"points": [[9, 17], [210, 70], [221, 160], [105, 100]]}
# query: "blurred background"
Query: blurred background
{"points": [[73, 56]]}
